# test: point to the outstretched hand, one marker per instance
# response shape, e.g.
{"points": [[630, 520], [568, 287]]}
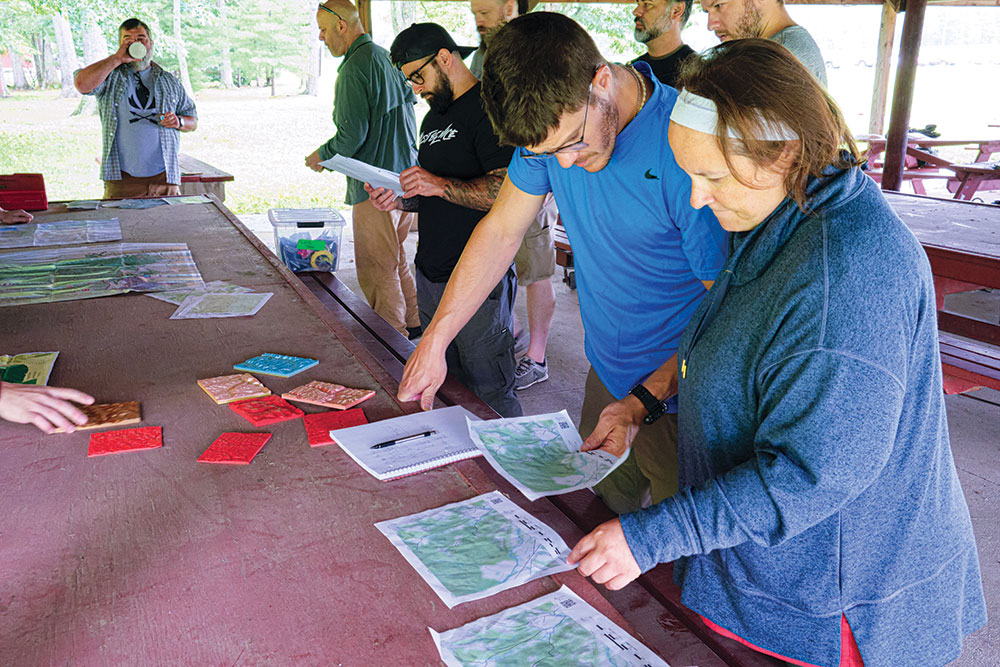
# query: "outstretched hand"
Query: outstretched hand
{"points": [[604, 556], [425, 372], [15, 217], [48, 408], [616, 427]]}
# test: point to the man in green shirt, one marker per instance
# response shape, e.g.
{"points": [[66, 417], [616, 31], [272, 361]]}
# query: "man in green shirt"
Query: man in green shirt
{"points": [[373, 112]]}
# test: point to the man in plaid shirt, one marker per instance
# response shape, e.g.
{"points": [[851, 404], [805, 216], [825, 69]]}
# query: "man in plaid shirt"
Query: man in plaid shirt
{"points": [[143, 109]]}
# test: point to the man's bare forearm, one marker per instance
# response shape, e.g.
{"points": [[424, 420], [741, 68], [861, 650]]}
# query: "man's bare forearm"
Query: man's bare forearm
{"points": [[478, 193], [93, 75]]}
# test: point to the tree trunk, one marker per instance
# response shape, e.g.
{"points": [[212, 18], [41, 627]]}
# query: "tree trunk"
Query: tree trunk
{"points": [[17, 63], [49, 58], [274, 78], [38, 42], [68, 62], [182, 62], [315, 51], [95, 48], [3, 87], [403, 14], [225, 63]]}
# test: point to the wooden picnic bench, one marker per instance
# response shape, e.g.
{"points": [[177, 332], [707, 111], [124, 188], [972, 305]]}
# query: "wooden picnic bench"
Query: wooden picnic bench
{"points": [[564, 254], [969, 178], [962, 242], [963, 179], [199, 177]]}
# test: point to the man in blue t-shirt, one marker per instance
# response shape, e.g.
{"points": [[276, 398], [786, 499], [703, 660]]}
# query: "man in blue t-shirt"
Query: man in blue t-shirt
{"points": [[594, 134]]}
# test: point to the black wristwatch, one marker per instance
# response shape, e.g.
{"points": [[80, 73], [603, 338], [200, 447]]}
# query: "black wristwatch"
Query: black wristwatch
{"points": [[654, 407]]}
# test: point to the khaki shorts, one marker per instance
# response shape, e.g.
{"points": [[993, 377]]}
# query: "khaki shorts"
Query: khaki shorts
{"points": [[136, 186], [649, 474], [536, 258]]}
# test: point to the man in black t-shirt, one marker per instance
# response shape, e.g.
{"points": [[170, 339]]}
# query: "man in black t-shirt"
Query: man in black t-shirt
{"points": [[658, 25], [461, 168]]}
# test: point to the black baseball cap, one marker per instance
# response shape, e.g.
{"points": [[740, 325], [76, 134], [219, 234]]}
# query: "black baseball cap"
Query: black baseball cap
{"points": [[422, 40]]}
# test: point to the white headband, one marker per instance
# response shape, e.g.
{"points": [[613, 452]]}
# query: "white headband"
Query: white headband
{"points": [[699, 113]]}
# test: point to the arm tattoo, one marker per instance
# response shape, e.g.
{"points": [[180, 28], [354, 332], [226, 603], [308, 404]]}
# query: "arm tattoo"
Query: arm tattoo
{"points": [[411, 204], [479, 193]]}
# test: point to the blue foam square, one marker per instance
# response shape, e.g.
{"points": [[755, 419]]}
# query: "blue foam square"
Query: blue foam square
{"points": [[281, 365]]}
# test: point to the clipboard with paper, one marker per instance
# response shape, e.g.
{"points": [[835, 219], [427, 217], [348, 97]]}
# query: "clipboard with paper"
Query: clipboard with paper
{"points": [[364, 172]]}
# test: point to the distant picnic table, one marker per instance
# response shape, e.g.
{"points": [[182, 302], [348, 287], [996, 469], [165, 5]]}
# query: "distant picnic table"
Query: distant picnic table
{"points": [[964, 179]]}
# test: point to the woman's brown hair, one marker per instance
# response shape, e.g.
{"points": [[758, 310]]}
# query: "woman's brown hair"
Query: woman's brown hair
{"points": [[757, 84]]}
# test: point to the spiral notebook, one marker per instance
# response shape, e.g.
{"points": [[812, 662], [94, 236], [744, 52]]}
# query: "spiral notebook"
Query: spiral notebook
{"points": [[411, 443]]}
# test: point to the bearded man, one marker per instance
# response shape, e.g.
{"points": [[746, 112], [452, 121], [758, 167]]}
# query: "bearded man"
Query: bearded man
{"points": [[143, 110], [658, 25]]}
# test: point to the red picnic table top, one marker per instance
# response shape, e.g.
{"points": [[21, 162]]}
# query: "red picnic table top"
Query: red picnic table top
{"points": [[152, 558]]}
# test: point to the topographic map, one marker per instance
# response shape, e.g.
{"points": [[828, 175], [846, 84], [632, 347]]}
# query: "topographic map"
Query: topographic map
{"points": [[551, 631], [540, 455], [474, 548]]}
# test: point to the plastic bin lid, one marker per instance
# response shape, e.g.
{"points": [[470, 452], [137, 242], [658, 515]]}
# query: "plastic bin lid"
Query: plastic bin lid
{"points": [[290, 216]]}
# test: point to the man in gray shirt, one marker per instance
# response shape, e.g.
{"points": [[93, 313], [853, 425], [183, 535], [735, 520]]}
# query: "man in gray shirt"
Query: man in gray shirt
{"points": [[740, 19]]}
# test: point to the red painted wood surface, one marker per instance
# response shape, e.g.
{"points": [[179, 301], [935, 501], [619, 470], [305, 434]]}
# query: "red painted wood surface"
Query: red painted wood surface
{"points": [[196, 171], [153, 558]]}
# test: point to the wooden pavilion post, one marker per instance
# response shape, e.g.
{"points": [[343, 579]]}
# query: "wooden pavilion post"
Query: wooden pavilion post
{"points": [[902, 95], [883, 63], [365, 14]]}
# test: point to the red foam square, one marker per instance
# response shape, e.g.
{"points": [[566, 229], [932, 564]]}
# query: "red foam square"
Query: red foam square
{"points": [[125, 440], [236, 448], [319, 425], [266, 410]]}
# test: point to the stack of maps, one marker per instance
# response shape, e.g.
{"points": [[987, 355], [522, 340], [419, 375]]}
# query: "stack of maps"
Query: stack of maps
{"points": [[484, 545]]}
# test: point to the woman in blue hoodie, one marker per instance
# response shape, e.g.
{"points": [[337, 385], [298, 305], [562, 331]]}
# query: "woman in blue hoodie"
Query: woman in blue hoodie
{"points": [[820, 505]]}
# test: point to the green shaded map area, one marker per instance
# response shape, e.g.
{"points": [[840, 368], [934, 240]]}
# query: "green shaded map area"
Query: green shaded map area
{"points": [[79, 272], [471, 547], [543, 636], [536, 455]]}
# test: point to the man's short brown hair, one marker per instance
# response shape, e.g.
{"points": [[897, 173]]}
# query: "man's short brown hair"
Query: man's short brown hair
{"points": [[538, 67]]}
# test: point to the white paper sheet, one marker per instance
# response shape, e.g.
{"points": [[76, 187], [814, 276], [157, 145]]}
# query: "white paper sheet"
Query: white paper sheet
{"points": [[477, 547], [559, 627], [220, 304], [378, 178], [450, 442], [540, 454]]}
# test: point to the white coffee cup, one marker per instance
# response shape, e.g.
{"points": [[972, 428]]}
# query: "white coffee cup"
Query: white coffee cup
{"points": [[137, 50]]}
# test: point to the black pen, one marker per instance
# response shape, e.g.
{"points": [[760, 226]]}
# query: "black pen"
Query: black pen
{"points": [[415, 436]]}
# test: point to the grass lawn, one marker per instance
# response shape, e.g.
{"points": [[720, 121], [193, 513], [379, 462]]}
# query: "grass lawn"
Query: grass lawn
{"points": [[262, 141]]}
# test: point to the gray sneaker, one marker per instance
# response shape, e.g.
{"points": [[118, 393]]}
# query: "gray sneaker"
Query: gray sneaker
{"points": [[529, 372]]}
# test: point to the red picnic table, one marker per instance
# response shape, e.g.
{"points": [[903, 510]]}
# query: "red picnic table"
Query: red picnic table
{"points": [[963, 179], [962, 242]]}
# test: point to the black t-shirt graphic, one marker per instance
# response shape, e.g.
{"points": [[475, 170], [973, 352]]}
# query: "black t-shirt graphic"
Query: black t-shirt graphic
{"points": [[459, 143]]}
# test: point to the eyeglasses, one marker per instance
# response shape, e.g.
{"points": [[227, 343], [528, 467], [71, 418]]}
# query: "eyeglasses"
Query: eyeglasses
{"points": [[416, 78], [327, 9], [573, 147]]}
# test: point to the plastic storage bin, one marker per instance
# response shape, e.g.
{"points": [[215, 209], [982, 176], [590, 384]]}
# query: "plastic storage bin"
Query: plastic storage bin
{"points": [[25, 191], [307, 239]]}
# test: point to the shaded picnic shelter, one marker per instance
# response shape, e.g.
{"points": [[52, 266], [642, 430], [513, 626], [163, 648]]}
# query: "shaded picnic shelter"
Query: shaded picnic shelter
{"points": [[162, 561]]}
